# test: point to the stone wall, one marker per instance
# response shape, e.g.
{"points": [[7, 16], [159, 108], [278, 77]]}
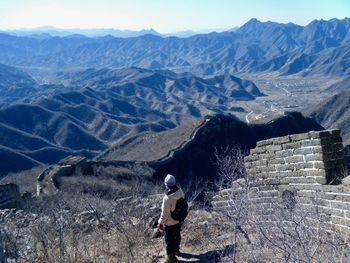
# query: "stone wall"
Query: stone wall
{"points": [[48, 180], [299, 174], [313, 157]]}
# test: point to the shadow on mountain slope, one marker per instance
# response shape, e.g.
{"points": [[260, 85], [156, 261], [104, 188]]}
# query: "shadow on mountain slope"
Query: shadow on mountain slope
{"points": [[193, 156]]}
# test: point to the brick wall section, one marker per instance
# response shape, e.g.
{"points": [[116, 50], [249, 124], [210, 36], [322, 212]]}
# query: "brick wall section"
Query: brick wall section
{"points": [[48, 180], [311, 158], [307, 168]]}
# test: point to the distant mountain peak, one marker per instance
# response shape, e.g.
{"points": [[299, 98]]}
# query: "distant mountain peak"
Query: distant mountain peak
{"points": [[253, 20], [252, 26]]}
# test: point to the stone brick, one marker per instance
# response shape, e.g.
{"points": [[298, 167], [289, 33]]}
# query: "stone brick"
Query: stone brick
{"points": [[340, 205], [299, 166], [323, 202], [304, 200], [285, 167], [320, 180], [325, 210], [345, 197], [253, 170], [292, 145], [264, 175], [299, 137], [307, 193], [264, 142], [284, 174], [314, 157], [258, 182], [258, 150], [268, 155], [284, 153], [269, 193], [281, 140], [308, 150], [266, 200], [276, 161], [310, 143], [272, 181], [328, 196], [251, 158], [311, 173], [298, 180], [260, 162], [267, 169], [309, 179], [307, 208], [308, 186], [332, 189], [267, 188], [273, 148], [295, 159]]}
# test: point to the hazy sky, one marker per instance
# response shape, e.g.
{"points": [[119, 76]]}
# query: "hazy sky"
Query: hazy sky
{"points": [[163, 15]]}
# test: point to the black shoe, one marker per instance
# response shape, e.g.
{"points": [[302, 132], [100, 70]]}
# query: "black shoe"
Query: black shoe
{"points": [[171, 259]]}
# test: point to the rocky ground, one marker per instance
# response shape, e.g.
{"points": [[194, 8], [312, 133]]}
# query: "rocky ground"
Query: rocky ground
{"points": [[91, 236]]}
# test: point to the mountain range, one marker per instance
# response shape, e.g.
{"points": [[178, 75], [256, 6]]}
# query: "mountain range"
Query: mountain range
{"points": [[334, 113], [18, 86], [107, 105], [15, 84], [49, 31], [319, 48], [83, 95]]}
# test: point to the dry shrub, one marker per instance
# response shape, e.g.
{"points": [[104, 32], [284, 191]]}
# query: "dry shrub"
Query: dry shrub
{"points": [[71, 227]]}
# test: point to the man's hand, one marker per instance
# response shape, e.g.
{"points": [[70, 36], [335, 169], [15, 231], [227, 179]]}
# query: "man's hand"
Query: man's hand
{"points": [[160, 227]]}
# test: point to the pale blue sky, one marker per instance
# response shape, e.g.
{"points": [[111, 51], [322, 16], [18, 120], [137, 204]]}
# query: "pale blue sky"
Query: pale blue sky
{"points": [[164, 15]]}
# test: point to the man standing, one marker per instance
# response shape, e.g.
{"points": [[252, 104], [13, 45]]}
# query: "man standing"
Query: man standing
{"points": [[171, 226]]}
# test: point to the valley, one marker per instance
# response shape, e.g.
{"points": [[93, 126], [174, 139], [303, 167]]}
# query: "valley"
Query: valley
{"points": [[286, 94]]}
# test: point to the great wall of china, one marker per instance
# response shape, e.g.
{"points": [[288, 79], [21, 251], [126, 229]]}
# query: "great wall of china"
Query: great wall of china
{"points": [[302, 174]]}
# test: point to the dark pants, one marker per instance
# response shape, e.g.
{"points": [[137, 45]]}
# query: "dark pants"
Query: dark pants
{"points": [[172, 238]]}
